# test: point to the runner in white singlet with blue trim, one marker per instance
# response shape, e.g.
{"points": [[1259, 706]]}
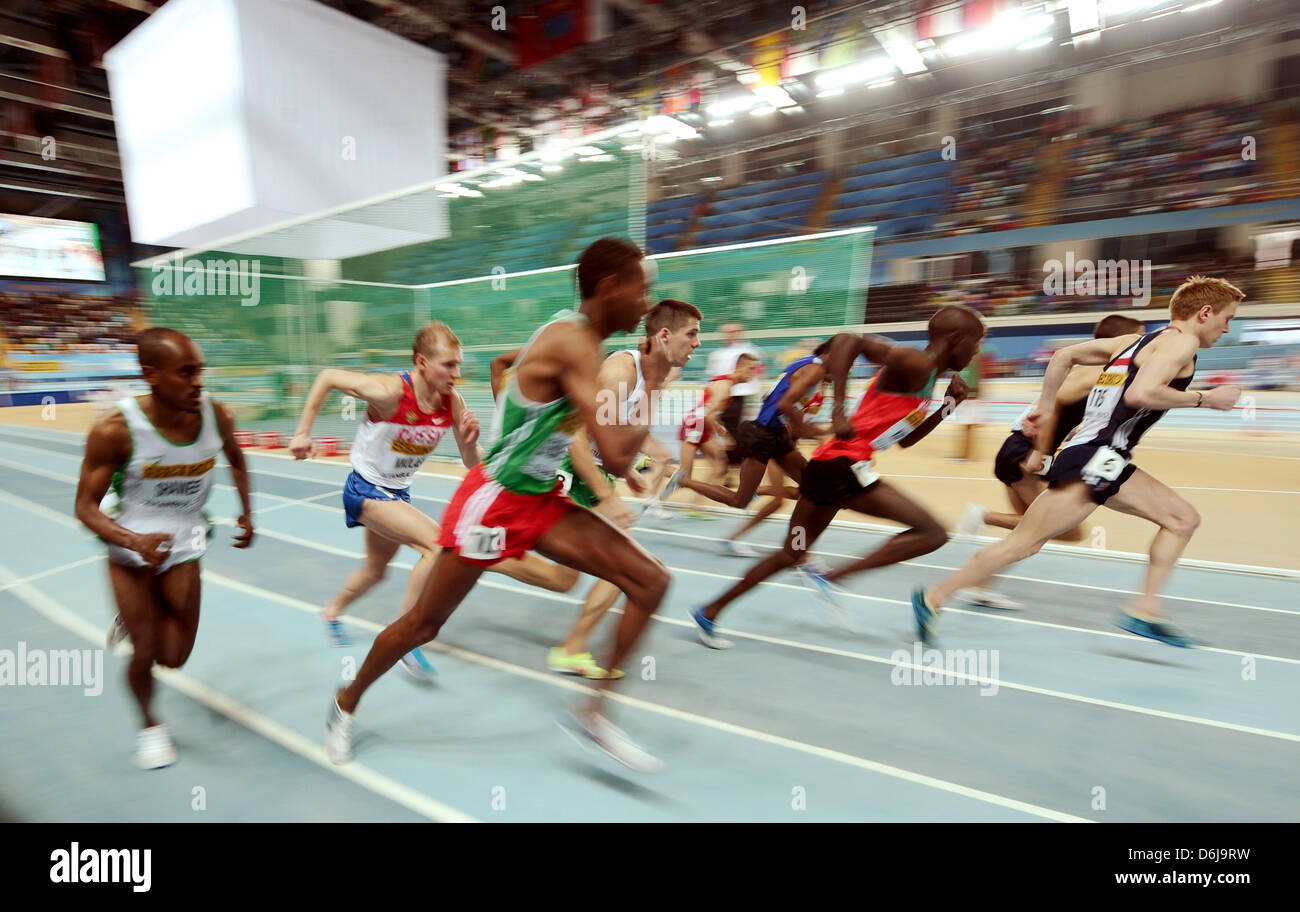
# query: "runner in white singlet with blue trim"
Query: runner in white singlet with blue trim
{"points": [[157, 454], [406, 417]]}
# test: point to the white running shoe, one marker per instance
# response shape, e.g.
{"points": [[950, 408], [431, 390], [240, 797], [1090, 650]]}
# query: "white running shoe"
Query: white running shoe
{"points": [[671, 486], [972, 521], [988, 598], [612, 741], [338, 735], [740, 548], [653, 508], [154, 748]]}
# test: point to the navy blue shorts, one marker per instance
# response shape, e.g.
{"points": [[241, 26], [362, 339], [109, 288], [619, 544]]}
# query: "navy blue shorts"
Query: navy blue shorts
{"points": [[357, 490]]}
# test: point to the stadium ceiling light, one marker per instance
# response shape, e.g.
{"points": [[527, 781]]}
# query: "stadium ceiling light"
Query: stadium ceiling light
{"points": [[588, 150], [709, 180], [662, 123], [533, 177], [776, 96], [1124, 7], [721, 123], [1038, 42], [738, 105], [1010, 28], [1084, 16], [552, 168], [634, 134], [830, 93], [634, 147], [763, 111], [901, 50], [880, 83], [855, 73], [1201, 6], [1162, 14]]}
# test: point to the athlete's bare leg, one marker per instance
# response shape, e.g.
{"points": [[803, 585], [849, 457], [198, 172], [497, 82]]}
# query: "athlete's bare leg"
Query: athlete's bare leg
{"points": [[807, 522], [618, 560], [774, 490], [1054, 511], [922, 534], [380, 552], [161, 616], [599, 600], [751, 476], [1143, 495]]}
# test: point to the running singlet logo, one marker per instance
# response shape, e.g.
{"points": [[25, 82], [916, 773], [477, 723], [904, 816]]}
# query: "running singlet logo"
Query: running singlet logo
{"points": [[192, 470], [901, 428]]}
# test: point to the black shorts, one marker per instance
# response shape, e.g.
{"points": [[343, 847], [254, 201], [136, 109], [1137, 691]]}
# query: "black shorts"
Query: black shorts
{"points": [[830, 482], [758, 441], [1068, 467], [1015, 450]]}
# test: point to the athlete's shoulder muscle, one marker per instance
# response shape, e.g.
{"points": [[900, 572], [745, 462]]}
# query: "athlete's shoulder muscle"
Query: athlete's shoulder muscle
{"points": [[109, 441]]}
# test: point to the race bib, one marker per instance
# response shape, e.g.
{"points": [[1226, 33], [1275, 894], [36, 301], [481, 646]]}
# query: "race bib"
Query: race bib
{"points": [[1047, 464], [1105, 465], [865, 472], [566, 479], [483, 543]]}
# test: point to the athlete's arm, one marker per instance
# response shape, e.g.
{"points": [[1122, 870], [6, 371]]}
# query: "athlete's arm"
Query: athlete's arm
{"points": [[719, 394], [575, 363], [464, 424], [1076, 387], [616, 379], [955, 396], [803, 381], [844, 351], [1162, 361], [501, 364], [108, 447], [238, 471], [382, 392], [1094, 351]]}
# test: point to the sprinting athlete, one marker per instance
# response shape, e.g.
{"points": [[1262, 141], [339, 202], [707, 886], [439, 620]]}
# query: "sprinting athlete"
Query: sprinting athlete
{"points": [[157, 453], [769, 439], [512, 503], [407, 415], [633, 378], [1008, 468], [702, 429], [1143, 377], [841, 473]]}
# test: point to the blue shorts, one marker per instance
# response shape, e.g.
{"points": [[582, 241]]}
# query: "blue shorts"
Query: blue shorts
{"points": [[357, 490]]}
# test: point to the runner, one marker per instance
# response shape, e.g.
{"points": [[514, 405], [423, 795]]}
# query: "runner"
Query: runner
{"points": [[157, 531]]}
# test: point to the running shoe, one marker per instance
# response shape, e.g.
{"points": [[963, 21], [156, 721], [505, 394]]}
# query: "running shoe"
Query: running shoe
{"points": [[830, 595], [670, 487], [610, 740], [338, 734], [154, 748], [334, 627], [707, 630], [653, 507], [116, 632], [581, 664], [927, 619], [740, 548], [972, 520], [1155, 630], [988, 598], [419, 667]]}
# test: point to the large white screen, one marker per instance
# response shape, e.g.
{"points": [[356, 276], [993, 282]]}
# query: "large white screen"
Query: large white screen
{"points": [[50, 249]]}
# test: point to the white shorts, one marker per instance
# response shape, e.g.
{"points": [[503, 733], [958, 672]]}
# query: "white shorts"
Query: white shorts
{"points": [[189, 540]]}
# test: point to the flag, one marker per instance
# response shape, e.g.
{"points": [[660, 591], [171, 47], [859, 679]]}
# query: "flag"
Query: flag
{"points": [[552, 28], [769, 54], [977, 14], [941, 18]]}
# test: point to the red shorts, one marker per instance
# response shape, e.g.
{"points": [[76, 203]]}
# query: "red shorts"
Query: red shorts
{"points": [[695, 430], [487, 524]]}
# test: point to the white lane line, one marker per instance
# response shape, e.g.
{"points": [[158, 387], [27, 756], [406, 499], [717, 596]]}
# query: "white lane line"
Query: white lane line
{"points": [[1026, 688], [1051, 547], [93, 559], [268, 728], [307, 543], [680, 715]]}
